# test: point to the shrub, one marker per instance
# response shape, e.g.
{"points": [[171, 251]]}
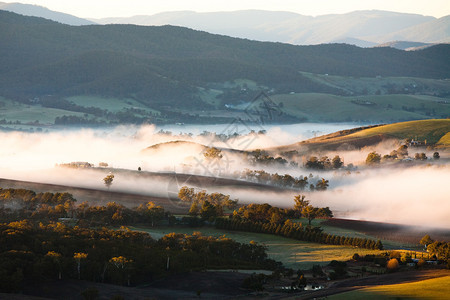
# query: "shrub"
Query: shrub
{"points": [[392, 265]]}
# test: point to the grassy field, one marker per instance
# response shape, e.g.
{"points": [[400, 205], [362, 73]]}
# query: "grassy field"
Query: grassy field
{"points": [[292, 253], [110, 104], [14, 111], [437, 288], [382, 85], [445, 140], [433, 131], [374, 108]]}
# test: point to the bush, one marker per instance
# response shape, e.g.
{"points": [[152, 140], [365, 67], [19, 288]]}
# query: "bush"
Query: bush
{"points": [[392, 265]]}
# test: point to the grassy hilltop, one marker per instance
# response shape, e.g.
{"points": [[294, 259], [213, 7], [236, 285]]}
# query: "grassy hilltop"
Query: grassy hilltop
{"points": [[435, 132]]}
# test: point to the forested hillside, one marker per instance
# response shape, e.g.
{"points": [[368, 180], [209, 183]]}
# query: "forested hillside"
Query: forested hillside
{"points": [[166, 65]]}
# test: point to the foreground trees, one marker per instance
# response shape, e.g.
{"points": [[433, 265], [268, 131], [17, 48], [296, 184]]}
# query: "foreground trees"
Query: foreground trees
{"points": [[38, 252]]}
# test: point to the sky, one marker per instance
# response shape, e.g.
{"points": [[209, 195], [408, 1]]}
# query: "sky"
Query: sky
{"points": [[127, 8]]}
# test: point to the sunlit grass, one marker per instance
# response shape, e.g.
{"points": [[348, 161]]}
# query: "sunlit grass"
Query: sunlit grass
{"points": [[436, 288], [430, 130], [292, 253]]}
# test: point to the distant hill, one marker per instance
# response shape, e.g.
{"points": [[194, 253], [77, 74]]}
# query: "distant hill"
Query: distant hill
{"points": [[167, 65], [433, 31], [39, 11], [361, 28], [408, 46]]}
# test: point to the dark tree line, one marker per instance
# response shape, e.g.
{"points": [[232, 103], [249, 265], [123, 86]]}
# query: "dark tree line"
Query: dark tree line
{"points": [[297, 232], [17, 204]]}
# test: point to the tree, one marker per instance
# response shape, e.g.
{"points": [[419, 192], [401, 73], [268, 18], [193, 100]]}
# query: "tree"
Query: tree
{"points": [[78, 257], [373, 158], [186, 194], [336, 162], [309, 212], [300, 203], [426, 240], [322, 185], [208, 211], [56, 258], [213, 153], [402, 151], [314, 163], [108, 180], [420, 156], [121, 263]]}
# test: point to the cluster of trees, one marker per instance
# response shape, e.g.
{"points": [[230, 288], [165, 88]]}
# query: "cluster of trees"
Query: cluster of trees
{"points": [[267, 213], [207, 206], [324, 163], [259, 156], [439, 248], [26, 204], [39, 252], [285, 180], [295, 231], [400, 153]]}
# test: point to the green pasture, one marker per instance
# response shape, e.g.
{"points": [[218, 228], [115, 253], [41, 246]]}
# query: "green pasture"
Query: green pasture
{"points": [[109, 104], [382, 85], [292, 253], [436, 288], [15, 111], [318, 107]]}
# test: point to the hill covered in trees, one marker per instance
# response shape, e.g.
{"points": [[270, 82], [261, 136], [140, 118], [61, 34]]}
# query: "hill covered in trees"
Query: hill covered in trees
{"points": [[168, 65]]}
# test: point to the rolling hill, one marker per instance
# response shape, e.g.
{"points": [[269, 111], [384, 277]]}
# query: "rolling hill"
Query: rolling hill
{"points": [[434, 132]]}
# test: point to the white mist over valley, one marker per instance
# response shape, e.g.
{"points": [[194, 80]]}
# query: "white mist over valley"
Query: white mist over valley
{"points": [[409, 195]]}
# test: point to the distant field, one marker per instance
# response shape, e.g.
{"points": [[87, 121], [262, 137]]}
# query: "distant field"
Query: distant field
{"points": [[110, 104], [382, 85], [14, 111], [437, 288], [292, 253], [374, 108]]}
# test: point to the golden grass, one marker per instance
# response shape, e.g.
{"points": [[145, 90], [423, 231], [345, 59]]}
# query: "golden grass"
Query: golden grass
{"points": [[430, 130], [436, 288]]}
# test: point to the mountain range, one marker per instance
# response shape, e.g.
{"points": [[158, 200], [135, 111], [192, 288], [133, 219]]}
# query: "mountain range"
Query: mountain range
{"points": [[39, 11], [362, 28]]}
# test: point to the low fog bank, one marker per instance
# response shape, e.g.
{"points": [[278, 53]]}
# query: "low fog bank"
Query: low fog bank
{"points": [[414, 195]]}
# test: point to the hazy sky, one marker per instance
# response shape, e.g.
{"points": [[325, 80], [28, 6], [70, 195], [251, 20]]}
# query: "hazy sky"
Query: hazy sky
{"points": [[125, 8]]}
